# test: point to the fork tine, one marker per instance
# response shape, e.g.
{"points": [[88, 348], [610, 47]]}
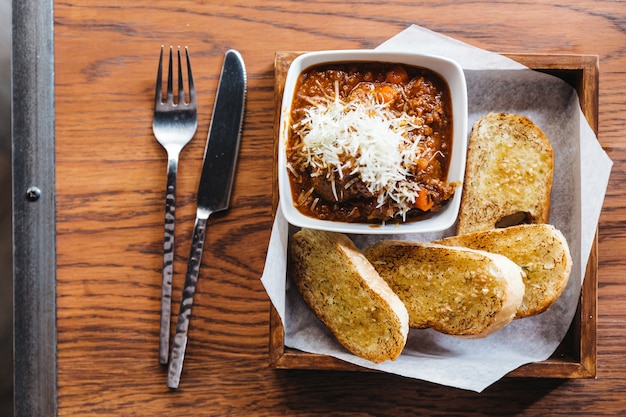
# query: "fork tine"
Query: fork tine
{"points": [[181, 88], [158, 95], [192, 89], [170, 93]]}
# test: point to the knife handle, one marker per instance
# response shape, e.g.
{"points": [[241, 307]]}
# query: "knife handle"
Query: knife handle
{"points": [[168, 259], [182, 326]]}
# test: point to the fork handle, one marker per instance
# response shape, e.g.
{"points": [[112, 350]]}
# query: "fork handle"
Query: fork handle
{"points": [[191, 279], [168, 258]]}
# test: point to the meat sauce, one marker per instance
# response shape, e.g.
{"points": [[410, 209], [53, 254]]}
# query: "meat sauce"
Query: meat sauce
{"points": [[370, 142]]}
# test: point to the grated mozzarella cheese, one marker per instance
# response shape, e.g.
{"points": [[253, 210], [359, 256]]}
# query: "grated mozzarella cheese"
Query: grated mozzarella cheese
{"points": [[363, 137]]}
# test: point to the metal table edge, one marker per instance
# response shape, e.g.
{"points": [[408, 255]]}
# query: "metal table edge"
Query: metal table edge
{"points": [[33, 208]]}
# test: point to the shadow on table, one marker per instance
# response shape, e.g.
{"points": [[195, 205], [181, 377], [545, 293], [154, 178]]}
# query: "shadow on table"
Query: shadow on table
{"points": [[336, 393]]}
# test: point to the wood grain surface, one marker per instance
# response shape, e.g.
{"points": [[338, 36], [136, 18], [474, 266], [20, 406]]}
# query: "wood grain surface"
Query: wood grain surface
{"points": [[110, 184]]}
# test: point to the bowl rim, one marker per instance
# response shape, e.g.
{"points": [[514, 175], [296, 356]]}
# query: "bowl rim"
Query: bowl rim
{"points": [[453, 74]]}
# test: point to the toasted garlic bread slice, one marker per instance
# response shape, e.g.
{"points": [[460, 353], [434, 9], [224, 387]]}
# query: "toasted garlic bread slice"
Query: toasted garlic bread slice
{"points": [[508, 174], [539, 249], [457, 291], [346, 293]]}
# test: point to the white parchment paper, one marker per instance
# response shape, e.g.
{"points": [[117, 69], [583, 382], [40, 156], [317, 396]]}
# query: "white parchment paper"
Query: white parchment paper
{"points": [[495, 84]]}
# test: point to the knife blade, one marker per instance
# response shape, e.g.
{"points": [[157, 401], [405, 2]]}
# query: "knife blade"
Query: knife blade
{"points": [[214, 190]]}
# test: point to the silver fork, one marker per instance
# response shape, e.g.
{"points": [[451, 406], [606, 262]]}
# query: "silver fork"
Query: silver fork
{"points": [[175, 123]]}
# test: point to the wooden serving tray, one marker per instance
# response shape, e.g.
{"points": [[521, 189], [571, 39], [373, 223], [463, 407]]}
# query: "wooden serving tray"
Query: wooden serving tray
{"points": [[576, 355]]}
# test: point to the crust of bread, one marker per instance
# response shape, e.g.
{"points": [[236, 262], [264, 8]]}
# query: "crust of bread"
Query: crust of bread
{"points": [[540, 250], [508, 175], [347, 294], [454, 290]]}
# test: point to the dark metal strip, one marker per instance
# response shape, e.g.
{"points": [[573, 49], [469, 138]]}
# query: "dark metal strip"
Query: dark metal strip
{"points": [[34, 254]]}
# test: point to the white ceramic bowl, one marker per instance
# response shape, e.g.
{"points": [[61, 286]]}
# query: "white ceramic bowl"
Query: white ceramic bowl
{"points": [[446, 68]]}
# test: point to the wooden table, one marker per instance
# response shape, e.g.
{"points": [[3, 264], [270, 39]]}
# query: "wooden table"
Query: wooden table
{"points": [[89, 234]]}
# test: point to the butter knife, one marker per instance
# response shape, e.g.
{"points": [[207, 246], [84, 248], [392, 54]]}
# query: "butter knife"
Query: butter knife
{"points": [[218, 171]]}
